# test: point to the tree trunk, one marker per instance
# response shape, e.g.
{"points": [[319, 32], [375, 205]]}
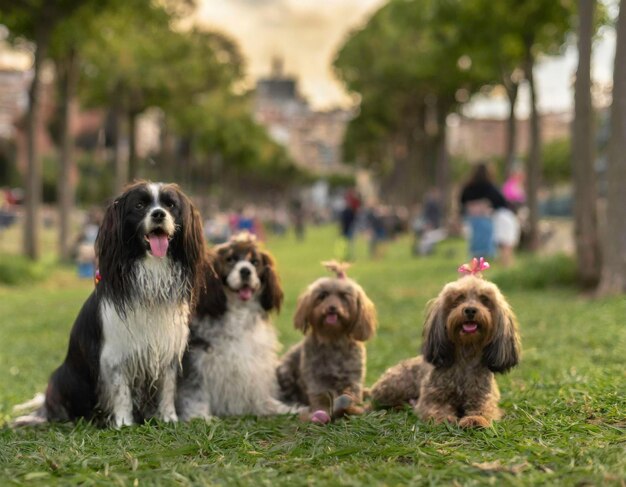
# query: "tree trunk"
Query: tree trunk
{"points": [[33, 193], [67, 174], [442, 179], [120, 156], [132, 145], [585, 193], [512, 89], [613, 279], [533, 167]]}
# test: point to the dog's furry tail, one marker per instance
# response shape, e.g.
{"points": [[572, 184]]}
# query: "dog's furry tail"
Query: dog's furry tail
{"points": [[36, 415]]}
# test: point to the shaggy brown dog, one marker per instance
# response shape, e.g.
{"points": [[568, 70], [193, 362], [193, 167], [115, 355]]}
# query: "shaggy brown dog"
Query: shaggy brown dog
{"points": [[470, 332], [327, 368]]}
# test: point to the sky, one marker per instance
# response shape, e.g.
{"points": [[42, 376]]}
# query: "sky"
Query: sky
{"points": [[306, 34]]}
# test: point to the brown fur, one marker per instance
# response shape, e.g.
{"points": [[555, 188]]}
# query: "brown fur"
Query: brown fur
{"points": [[330, 360], [454, 379]]}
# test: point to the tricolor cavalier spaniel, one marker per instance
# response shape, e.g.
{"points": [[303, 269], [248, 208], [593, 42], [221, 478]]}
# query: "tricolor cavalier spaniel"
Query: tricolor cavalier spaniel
{"points": [[128, 340], [229, 366]]}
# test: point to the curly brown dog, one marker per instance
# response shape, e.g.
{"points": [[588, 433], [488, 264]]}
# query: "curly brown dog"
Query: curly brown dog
{"points": [[326, 369], [470, 332]]}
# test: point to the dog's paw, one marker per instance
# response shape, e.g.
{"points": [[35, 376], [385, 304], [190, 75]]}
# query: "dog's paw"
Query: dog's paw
{"points": [[474, 422], [28, 420], [320, 416], [121, 421], [170, 417], [341, 404]]}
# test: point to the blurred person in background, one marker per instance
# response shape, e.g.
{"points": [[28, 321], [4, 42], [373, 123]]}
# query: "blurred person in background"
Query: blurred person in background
{"points": [[375, 218], [479, 199], [84, 248], [348, 221], [298, 217], [428, 226]]}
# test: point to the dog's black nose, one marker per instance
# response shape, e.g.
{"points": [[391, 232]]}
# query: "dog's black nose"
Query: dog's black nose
{"points": [[158, 215], [470, 312], [244, 272], [331, 309]]}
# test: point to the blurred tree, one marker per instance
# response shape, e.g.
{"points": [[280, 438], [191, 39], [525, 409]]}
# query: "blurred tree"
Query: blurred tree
{"points": [[557, 161], [222, 144], [34, 20], [583, 156], [490, 43], [408, 67], [613, 276], [541, 26], [123, 65], [133, 64], [66, 41]]}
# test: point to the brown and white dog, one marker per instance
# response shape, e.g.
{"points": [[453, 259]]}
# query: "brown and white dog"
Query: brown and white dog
{"points": [[126, 345], [326, 369], [229, 366], [470, 333]]}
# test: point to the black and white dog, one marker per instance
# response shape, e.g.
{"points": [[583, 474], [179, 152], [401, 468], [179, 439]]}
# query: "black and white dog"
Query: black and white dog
{"points": [[128, 340], [229, 368]]}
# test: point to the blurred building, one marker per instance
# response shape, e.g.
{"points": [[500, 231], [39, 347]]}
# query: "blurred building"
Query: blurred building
{"points": [[485, 138], [14, 85], [312, 138]]}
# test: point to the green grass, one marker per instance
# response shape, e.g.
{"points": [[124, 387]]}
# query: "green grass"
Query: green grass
{"points": [[565, 404]]}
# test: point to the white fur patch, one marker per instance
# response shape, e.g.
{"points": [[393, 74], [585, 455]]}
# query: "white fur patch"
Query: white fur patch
{"points": [[234, 280], [237, 371], [143, 344]]}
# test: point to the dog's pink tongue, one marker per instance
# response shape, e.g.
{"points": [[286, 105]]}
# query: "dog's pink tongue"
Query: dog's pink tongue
{"points": [[158, 244], [245, 293], [470, 327], [331, 318]]}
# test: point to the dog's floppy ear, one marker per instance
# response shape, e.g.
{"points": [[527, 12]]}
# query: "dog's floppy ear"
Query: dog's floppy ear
{"points": [[437, 348], [272, 293], [504, 350], [303, 311], [193, 236], [365, 321], [210, 296], [109, 246]]}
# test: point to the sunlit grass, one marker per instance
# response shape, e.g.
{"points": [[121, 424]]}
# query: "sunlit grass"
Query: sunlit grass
{"points": [[565, 403]]}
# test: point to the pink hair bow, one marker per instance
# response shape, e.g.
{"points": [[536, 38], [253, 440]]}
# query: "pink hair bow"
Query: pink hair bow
{"points": [[339, 268], [475, 267]]}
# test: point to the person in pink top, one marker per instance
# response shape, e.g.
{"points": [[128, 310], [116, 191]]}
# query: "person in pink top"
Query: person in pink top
{"points": [[513, 189]]}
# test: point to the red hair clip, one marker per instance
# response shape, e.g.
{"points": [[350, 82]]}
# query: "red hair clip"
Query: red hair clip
{"points": [[475, 267]]}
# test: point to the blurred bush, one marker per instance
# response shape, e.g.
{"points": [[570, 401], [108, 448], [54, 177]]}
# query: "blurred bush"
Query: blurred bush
{"points": [[557, 165], [538, 273], [16, 269]]}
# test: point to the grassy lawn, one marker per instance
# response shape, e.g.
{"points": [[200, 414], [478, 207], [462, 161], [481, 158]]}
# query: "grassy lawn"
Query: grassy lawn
{"points": [[565, 404]]}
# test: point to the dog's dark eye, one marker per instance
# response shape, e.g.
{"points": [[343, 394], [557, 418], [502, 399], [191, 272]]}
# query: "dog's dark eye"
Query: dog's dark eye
{"points": [[322, 295], [485, 300], [170, 204], [460, 298], [254, 261], [139, 206], [231, 259]]}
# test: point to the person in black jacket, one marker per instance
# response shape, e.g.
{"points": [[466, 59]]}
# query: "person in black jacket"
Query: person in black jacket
{"points": [[480, 197]]}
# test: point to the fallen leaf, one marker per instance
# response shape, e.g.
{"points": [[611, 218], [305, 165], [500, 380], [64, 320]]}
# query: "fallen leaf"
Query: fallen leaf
{"points": [[496, 466]]}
